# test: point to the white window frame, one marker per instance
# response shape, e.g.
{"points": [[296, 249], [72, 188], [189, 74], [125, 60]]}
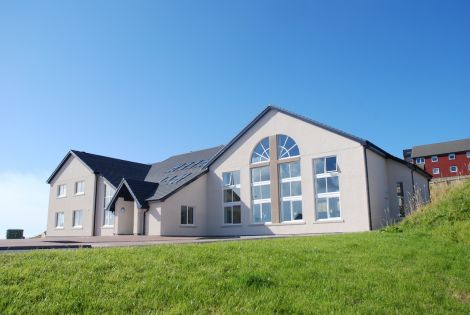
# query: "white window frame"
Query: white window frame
{"points": [[59, 224], [61, 193], [77, 183], [108, 218], [434, 159], [436, 171], [233, 203], [420, 160], [290, 198], [187, 216], [327, 195], [451, 156], [263, 201], [456, 169], [74, 219], [108, 194]]}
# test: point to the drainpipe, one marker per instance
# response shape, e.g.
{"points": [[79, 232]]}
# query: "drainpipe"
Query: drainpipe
{"points": [[143, 221], [367, 188], [94, 206]]}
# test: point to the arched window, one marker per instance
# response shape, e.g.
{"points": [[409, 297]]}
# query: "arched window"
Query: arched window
{"points": [[261, 152], [286, 147]]}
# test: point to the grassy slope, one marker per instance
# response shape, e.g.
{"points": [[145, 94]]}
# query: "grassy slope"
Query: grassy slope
{"points": [[411, 272]]}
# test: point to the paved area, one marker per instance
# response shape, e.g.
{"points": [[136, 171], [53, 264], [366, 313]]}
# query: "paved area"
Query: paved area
{"points": [[115, 241]]}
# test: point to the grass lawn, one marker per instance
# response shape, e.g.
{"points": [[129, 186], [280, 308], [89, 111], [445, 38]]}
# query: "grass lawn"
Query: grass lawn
{"points": [[357, 273]]}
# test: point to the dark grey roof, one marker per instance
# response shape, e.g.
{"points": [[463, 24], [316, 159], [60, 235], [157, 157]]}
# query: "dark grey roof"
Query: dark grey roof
{"points": [[114, 170], [134, 190], [171, 177], [362, 141], [441, 148]]}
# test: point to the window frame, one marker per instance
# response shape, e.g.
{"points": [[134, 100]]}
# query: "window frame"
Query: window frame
{"points": [[434, 171], [260, 201], [456, 169], [57, 226], [451, 156], [328, 195], [420, 160], [280, 147], [79, 193], [434, 159], [193, 216], [291, 198], [266, 150], [232, 203], [59, 193], [74, 223]]}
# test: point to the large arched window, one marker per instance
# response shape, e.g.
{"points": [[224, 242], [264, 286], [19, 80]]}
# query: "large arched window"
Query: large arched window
{"points": [[261, 152], [286, 147]]}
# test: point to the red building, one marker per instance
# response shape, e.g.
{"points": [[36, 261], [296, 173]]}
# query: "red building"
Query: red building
{"points": [[442, 160]]}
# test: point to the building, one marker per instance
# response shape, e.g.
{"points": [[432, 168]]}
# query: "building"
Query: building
{"points": [[442, 160], [282, 174]]}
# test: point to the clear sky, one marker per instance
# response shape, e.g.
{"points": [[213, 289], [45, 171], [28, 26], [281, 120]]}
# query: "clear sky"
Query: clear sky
{"points": [[143, 80]]}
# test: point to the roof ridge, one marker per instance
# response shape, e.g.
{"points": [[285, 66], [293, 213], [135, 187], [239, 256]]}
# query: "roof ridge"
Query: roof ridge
{"points": [[442, 142], [190, 152], [109, 157]]}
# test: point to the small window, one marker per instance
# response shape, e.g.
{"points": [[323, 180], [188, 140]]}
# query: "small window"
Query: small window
{"points": [[261, 152], [59, 220], [326, 165], [401, 199], [436, 171], [79, 188], [187, 215], [451, 156], [468, 154], [468, 167], [434, 159], [454, 169], [286, 147], [61, 191], [77, 218], [420, 160]]}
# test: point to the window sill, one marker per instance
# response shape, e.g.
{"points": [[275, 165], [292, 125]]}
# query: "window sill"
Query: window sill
{"points": [[79, 194], [328, 221], [79, 227], [260, 224], [59, 228], [188, 226], [295, 222], [107, 227], [231, 225], [60, 197]]}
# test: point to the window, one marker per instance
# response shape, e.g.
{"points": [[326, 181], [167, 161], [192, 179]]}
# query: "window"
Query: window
{"points": [[434, 159], [436, 171], [454, 169], [327, 201], [108, 219], [401, 199], [79, 188], [468, 154], [261, 194], [61, 191], [291, 191], [108, 194], [187, 215], [232, 204], [451, 156], [420, 160], [261, 152], [286, 147], [77, 219], [59, 220]]}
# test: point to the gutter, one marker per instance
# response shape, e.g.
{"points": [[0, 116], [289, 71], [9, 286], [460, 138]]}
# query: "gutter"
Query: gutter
{"points": [[143, 221], [95, 202]]}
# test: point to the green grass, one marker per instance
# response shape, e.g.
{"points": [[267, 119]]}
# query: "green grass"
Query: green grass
{"points": [[420, 270]]}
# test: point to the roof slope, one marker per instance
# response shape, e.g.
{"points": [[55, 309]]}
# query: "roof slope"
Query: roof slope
{"points": [[138, 190], [441, 148], [179, 170]]}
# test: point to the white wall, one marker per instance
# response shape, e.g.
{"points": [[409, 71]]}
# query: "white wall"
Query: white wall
{"points": [[99, 222]]}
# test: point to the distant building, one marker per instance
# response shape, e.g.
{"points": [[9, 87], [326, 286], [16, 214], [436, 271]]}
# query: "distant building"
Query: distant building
{"points": [[442, 160]]}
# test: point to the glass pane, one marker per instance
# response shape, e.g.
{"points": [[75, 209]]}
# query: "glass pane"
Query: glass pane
{"points": [[184, 218], [227, 215], [319, 166], [320, 185], [333, 184], [297, 210], [236, 178], [256, 192], [190, 215], [255, 175], [265, 191], [237, 215], [228, 195], [266, 212], [294, 151], [261, 152], [265, 176], [285, 189], [286, 211], [334, 208], [321, 208], [284, 170], [226, 178], [257, 213], [331, 164], [236, 194], [296, 188], [295, 169]]}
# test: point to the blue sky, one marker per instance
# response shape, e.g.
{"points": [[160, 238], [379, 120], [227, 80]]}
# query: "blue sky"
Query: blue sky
{"points": [[142, 80]]}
